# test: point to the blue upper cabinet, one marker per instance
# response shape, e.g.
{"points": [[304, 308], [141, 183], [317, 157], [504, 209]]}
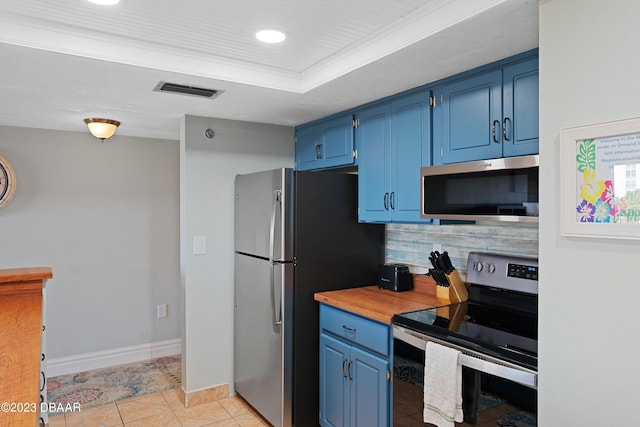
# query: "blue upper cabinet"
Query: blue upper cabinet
{"points": [[373, 136], [410, 150], [393, 142], [487, 115], [520, 104], [325, 144], [465, 115]]}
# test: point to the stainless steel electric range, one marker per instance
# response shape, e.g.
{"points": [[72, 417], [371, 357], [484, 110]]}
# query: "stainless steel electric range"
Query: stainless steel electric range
{"points": [[496, 330]]}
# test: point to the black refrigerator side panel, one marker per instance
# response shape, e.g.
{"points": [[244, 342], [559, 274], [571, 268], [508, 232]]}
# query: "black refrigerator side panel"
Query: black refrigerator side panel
{"points": [[333, 251]]}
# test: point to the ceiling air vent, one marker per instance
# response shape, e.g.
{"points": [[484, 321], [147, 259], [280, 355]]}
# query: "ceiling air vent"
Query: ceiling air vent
{"points": [[187, 90]]}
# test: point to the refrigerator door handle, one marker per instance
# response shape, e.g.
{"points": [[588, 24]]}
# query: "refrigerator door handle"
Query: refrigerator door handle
{"points": [[272, 225], [275, 299]]}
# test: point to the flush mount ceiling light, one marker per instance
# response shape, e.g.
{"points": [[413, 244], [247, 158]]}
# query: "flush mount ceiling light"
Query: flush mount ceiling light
{"points": [[270, 36], [105, 2], [102, 128]]}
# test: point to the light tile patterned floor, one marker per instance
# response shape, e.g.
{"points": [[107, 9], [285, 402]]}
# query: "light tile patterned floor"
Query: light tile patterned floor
{"points": [[162, 409]]}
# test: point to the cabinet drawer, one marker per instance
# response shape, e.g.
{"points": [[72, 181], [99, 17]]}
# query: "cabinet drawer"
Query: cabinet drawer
{"points": [[366, 333]]}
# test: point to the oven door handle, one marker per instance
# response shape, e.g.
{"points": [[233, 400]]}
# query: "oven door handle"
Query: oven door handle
{"points": [[471, 359]]}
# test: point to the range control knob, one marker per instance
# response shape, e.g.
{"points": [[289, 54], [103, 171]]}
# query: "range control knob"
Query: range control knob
{"points": [[491, 268], [477, 266]]}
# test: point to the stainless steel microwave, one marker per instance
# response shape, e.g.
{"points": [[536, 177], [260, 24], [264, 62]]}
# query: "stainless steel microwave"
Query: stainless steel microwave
{"points": [[504, 189]]}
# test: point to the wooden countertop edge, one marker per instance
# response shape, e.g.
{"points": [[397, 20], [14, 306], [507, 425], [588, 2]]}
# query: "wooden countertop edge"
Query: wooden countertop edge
{"points": [[28, 274], [381, 304]]}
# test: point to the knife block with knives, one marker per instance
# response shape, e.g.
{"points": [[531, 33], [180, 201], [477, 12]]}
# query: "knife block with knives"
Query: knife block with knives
{"points": [[450, 287]]}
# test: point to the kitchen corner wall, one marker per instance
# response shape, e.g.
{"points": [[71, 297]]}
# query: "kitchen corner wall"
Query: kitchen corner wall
{"points": [[589, 336], [104, 216], [412, 243], [207, 171]]}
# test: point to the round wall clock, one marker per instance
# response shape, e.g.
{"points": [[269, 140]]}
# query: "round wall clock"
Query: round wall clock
{"points": [[7, 182]]}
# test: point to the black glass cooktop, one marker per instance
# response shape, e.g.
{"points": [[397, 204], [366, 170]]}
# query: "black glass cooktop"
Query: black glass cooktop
{"points": [[510, 335]]}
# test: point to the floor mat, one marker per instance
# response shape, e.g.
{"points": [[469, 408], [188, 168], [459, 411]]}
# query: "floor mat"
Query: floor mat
{"points": [[111, 384], [518, 419]]}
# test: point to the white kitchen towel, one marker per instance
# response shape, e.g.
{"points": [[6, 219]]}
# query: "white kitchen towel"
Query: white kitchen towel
{"points": [[442, 386]]}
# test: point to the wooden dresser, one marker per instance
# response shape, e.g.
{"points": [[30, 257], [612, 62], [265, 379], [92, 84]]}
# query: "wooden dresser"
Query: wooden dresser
{"points": [[21, 295]]}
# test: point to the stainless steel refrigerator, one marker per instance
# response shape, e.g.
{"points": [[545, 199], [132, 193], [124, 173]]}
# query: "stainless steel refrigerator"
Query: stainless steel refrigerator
{"points": [[296, 233]]}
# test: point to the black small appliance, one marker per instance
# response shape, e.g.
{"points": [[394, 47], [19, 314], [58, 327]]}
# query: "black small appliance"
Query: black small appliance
{"points": [[395, 277]]}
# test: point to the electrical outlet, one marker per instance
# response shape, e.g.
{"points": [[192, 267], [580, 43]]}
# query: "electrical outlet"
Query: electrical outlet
{"points": [[162, 310], [437, 247]]}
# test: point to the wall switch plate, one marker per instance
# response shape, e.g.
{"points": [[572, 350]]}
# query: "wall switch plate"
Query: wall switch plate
{"points": [[199, 245], [162, 310]]}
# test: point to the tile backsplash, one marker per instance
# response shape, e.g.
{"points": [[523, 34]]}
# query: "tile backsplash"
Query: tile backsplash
{"points": [[411, 244]]}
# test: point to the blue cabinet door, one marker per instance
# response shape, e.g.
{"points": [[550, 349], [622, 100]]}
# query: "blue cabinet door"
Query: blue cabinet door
{"points": [[309, 148], [520, 104], [325, 144], [410, 150], [374, 152], [468, 119], [338, 141], [334, 382], [370, 395], [488, 115]]}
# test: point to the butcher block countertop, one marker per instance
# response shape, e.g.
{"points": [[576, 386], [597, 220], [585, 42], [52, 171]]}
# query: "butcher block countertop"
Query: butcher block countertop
{"points": [[381, 304], [20, 275]]}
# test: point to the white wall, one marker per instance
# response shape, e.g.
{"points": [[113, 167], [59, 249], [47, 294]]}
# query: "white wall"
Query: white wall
{"points": [[208, 168], [589, 336], [104, 216]]}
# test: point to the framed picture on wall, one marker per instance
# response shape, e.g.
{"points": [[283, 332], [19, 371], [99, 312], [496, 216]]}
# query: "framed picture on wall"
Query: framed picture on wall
{"points": [[600, 180]]}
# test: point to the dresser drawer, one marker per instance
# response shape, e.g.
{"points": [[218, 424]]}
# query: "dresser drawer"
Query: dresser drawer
{"points": [[356, 329]]}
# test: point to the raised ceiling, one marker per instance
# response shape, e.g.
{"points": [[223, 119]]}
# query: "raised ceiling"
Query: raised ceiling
{"points": [[75, 59]]}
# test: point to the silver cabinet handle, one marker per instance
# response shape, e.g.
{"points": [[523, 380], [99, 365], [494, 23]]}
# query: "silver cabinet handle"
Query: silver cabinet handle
{"points": [[348, 329], [349, 370], [493, 131], [391, 197], [344, 372], [386, 201], [504, 128], [318, 151]]}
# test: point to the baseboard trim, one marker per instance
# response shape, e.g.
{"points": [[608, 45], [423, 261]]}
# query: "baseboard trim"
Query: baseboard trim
{"points": [[113, 357], [207, 395]]}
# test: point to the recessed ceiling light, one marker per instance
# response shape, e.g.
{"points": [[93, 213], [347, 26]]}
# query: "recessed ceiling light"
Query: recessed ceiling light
{"points": [[105, 2], [270, 36]]}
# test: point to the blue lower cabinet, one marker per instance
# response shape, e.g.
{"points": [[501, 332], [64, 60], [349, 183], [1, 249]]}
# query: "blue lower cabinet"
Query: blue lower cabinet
{"points": [[334, 385], [369, 389], [355, 381]]}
